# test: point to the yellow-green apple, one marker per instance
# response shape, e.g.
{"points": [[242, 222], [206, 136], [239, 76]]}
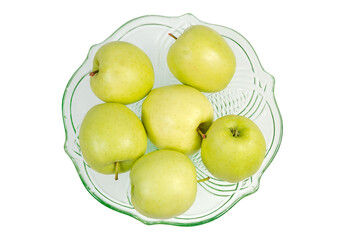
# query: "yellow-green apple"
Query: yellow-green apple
{"points": [[121, 73], [173, 115], [163, 184], [111, 138], [234, 148], [202, 58]]}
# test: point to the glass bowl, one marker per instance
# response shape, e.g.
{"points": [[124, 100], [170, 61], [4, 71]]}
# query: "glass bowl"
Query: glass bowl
{"points": [[250, 93]]}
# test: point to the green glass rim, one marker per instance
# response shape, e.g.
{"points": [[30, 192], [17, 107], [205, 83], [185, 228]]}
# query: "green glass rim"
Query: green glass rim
{"points": [[70, 130]]}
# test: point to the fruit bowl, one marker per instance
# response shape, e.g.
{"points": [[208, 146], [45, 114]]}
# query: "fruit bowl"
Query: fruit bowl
{"points": [[250, 93]]}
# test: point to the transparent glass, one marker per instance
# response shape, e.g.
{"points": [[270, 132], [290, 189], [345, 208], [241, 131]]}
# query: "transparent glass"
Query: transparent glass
{"points": [[250, 93]]}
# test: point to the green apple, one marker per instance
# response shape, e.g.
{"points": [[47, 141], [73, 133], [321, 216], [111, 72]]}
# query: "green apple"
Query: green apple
{"points": [[201, 58], [234, 148], [173, 115], [111, 138], [163, 184], [121, 73]]}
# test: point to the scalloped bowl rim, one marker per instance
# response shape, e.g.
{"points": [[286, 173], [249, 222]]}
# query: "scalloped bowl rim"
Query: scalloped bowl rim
{"points": [[255, 183]]}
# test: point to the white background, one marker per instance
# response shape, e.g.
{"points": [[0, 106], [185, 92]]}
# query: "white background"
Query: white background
{"points": [[310, 191]]}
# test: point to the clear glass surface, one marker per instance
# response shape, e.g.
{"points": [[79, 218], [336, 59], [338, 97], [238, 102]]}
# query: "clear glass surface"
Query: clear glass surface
{"points": [[250, 93]]}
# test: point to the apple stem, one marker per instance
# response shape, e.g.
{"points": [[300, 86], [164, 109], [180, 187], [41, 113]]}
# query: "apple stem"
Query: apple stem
{"points": [[93, 73], [203, 180], [172, 35], [117, 165], [203, 135]]}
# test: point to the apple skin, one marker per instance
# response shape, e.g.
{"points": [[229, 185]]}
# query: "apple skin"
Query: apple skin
{"points": [[171, 115], [233, 158], [163, 184], [201, 58], [109, 133], [125, 73]]}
